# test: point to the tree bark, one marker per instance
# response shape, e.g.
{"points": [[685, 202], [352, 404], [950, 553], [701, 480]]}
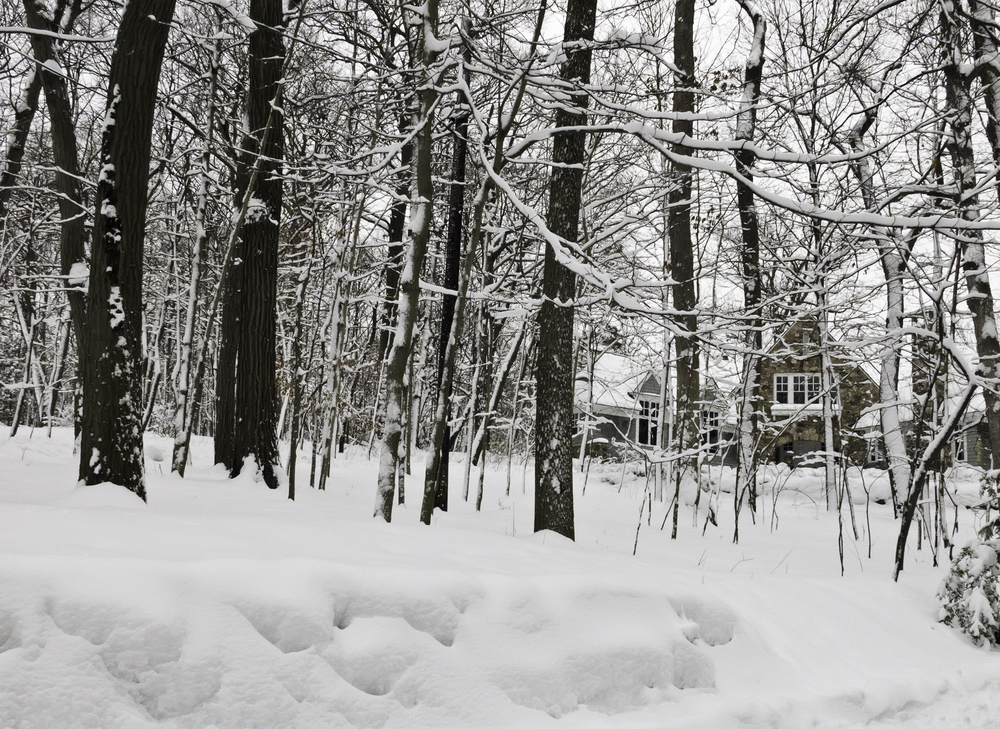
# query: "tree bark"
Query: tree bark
{"points": [[555, 369], [111, 440]]}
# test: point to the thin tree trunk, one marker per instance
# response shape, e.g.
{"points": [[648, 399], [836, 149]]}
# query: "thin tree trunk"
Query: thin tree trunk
{"points": [[305, 268], [893, 253], [182, 402], [749, 416], [72, 246], [453, 256], [441, 434]]}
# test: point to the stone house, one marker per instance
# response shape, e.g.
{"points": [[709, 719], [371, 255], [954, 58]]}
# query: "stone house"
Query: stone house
{"points": [[792, 389]]}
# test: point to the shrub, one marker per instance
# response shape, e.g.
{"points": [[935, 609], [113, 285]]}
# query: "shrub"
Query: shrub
{"points": [[968, 595]]}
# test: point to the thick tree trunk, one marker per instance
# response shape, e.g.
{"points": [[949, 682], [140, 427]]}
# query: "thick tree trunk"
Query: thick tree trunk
{"points": [[111, 445], [246, 406], [682, 249], [555, 369]]}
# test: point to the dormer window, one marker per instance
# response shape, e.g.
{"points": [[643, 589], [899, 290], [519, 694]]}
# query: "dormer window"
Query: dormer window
{"points": [[796, 389]]}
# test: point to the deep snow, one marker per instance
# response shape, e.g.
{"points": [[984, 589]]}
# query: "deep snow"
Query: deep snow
{"points": [[220, 603]]}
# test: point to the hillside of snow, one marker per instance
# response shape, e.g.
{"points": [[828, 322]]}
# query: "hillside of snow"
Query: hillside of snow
{"points": [[220, 603]]}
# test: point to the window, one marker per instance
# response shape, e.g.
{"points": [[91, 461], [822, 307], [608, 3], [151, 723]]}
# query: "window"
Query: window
{"points": [[710, 429], [958, 449], [876, 450], [797, 389], [649, 419]]}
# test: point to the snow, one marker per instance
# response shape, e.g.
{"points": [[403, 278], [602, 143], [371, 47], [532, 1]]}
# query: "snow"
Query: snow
{"points": [[116, 309], [79, 275], [221, 603]]}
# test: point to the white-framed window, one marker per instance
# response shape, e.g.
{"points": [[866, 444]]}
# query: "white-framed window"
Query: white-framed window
{"points": [[958, 449], [648, 422], [797, 389]]}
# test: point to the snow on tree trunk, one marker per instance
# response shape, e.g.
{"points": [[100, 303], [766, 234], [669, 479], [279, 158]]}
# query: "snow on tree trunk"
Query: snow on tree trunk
{"points": [[749, 417], [409, 284], [24, 114], [892, 252]]}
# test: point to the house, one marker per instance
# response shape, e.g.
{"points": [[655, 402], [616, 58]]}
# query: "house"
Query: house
{"points": [[792, 389], [618, 411], [618, 408]]}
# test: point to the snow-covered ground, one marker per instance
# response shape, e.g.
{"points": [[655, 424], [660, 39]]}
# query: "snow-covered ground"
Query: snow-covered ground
{"points": [[222, 604]]}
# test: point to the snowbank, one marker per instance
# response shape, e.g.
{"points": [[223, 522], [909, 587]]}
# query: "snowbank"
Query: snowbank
{"points": [[220, 603]]}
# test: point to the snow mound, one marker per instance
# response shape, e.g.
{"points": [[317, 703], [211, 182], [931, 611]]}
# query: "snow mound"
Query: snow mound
{"points": [[102, 495], [235, 643]]}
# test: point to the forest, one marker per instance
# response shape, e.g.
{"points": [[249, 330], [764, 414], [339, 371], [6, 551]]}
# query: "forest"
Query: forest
{"points": [[417, 229]]}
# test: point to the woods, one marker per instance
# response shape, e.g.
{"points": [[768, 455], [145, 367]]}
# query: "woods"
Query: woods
{"points": [[418, 231]]}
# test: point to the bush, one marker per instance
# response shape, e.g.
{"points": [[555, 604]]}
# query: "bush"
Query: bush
{"points": [[968, 596]]}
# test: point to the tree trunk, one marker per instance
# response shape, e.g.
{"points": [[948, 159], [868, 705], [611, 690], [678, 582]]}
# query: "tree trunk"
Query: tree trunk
{"points": [[111, 445], [250, 417], [682, 249], [893, 252], [409, 284], [453, 256], [72, 249], [24, 114], [182, 401], [397, 227], [554, 368], [749, 415], [980, 295]]}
